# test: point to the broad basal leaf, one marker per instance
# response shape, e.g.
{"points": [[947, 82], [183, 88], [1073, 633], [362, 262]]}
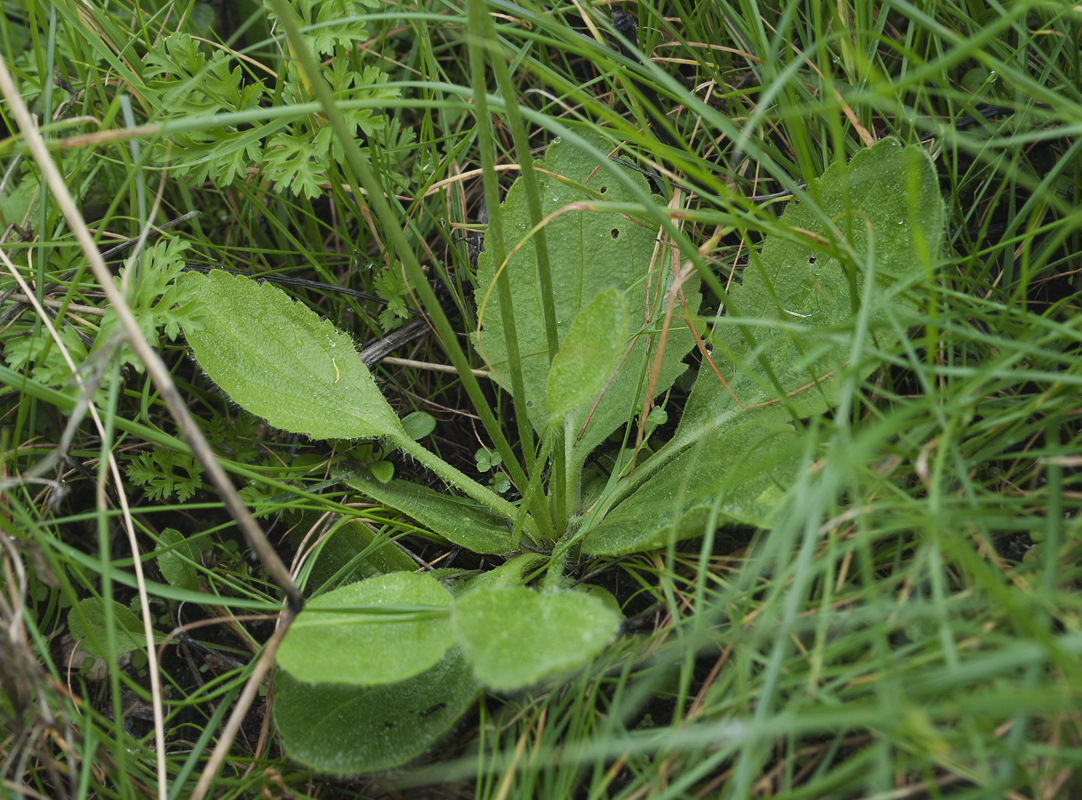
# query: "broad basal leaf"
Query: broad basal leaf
{"points": [[515, 637], [341, 637], [589, 354], [457, 519], [589, 252], [881, 211], [746, 470], [348, 730], [278, 360]]}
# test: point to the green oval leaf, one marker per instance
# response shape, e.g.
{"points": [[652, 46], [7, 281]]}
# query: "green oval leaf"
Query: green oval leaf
{"points": [[177, 561], [884, 210], [341, 636], [589, 354], [278, 360], [418, 425], [90, 633], [515, 637], [349, 730]]}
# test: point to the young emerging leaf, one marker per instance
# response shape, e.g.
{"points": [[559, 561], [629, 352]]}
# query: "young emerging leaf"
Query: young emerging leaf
{"points": [[589, 355], [881, 211], [746, 470], [589, 252], [278, 360], [349, 730], [515, 637], [342, 638]]}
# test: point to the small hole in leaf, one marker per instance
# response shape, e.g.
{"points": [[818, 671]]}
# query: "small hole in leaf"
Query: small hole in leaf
{"points": [[811, 260], [529, 404], [615, 232]]}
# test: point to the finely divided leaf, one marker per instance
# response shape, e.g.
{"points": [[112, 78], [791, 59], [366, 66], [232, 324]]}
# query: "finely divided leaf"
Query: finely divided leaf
{"points": [[589, 253], [381, 630], [278, 360]]}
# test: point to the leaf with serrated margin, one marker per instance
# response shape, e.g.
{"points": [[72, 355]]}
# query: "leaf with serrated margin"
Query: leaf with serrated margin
{"points": [[278, 360]]}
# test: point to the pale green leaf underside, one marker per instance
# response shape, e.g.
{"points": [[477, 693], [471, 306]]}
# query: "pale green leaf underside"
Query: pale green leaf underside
{"points": [[884, 207], [588, 253], [334, 641], [278, 360], [745, 469], [349, 730], [589, 354], [515, 637], [458, 520]]}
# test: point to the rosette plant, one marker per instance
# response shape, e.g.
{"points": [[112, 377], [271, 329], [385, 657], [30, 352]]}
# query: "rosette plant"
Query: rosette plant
{"points": [[589, 308]]}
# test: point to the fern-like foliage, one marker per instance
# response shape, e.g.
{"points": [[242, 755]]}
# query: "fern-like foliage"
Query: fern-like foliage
{"points": [[152, 297], [155, 301], [160, 473], [296, 154]]}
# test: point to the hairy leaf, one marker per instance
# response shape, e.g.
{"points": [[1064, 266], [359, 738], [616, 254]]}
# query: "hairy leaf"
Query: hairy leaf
{"points": [[515, 637], [801, 299], [280, 361], [590, 251], [589, 354], [345, 636], [457, 519]]}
